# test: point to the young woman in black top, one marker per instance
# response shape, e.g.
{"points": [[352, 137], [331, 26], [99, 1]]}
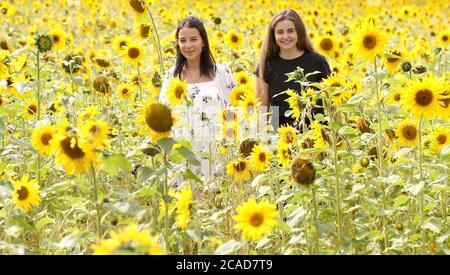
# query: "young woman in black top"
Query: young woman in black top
{"points": [[285, 47]]}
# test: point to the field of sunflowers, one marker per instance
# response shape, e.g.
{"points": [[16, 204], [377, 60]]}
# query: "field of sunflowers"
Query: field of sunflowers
{"points": [[89, 165]]}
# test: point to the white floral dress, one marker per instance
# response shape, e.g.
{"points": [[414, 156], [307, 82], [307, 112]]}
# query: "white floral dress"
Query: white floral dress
{"points": [[208, 99]]}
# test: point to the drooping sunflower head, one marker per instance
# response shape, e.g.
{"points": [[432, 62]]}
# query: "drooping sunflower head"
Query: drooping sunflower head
{"points": [[101, 85], [72, 63], [138, 7], [303, 171], [284, 154], [158, 118], [255, 219], [246, 147]]}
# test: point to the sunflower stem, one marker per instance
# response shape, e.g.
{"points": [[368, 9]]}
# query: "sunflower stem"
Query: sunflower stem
{"points": [[38, 95], [139, 82], [161, 65], [422, 215], [316, 240], [166, 212], [97, 206]]}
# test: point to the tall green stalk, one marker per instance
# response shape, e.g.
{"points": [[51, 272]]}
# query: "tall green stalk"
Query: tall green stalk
{"points": [[161, 65], [97, 206]]}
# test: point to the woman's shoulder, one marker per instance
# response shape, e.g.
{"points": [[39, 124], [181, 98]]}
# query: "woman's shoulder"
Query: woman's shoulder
{"points": [[316, 56], [222, 69]]}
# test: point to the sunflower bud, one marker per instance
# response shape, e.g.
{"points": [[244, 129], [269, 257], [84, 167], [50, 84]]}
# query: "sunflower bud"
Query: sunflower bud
{"points": [[137, 5], [419, 69], [363, 126], [217, 20], [44, 43], [406, 66], [159, 117], [364, 162], [303, 171]]}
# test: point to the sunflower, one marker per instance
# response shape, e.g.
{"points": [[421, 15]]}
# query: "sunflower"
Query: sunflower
{"points": [[3, 101], [129, 240], [439, 138], [90, 113], [144, 30], [59, 38], [26, 193], [368, 41], [303, 171], [31, 109], [249, 103], [121, 43], [133, 53], [327, 45], [44, 43], [444, 38], [183, 207], [317, 134], [233, 39], [177, 91], [393, 59], [337, 86], [138, 7], [101, 85], [295, 104], [287, 135], [159, 119], [407, 133], [242, 77], [41, 138], [72, 152], [96, 133], [255, 219], [239, 170], [260, 159], [284, 154], [422, 97], [170, 205], [125, 91], [238, 94]]}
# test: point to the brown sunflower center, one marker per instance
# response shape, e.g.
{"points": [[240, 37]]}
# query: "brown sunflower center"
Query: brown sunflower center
{"points": [[336, 84], [444, 38], [424, 97], [56, 39], [45, 138], [262, 157], [144, 30], [72, 151], [394, 59], [23, 193], [122, 44], [240, 166], [326, 44], [234, 38], [256, 219], [369, 42], [441, 139], [243, 80], [137, 5], [179, 91], [397, 97], [32, 109], [95, 130], [409, 132], [240, 96], [288, 138], [125, 91], [133, 53]]}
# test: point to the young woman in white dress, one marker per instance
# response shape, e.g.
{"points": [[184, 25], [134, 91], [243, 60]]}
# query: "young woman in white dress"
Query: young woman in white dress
{"points": [[209, 87]]}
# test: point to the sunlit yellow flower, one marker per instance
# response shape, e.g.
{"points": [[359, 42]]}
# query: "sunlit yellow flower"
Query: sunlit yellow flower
{"points": [[239, 170], [368, 41], [233, 39], [439, 138], [26, 193], [41, 138], [260, 158], [255, 219], [129, 240], [177, 91], [408, 133], [288, 135], [183, 207]]}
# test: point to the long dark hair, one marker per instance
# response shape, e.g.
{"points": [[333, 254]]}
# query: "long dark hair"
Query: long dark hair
{"points": [[269, 47], [207, 62]]}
